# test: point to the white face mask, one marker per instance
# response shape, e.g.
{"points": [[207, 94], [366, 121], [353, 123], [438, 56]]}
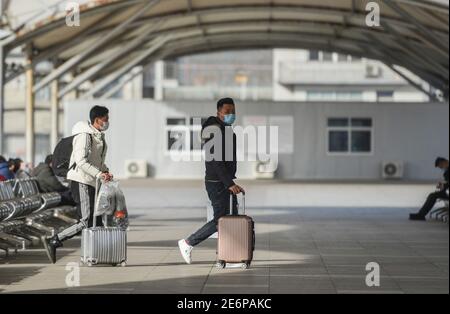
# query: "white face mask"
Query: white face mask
{"points": [[104, 127]]}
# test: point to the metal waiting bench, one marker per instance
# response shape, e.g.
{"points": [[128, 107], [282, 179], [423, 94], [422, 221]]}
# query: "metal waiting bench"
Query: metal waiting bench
{"points": [[441, 213], [26, 215]]}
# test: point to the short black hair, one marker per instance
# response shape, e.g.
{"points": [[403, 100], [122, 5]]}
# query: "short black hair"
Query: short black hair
{"points": [[439, 160], [224, 101], [98, 112], [15, 162], [48, 159], [2, 159]]}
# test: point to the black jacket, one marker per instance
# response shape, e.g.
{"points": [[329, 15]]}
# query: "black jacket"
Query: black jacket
{"points": [[446, 184], [47, 180], [222, 170]]}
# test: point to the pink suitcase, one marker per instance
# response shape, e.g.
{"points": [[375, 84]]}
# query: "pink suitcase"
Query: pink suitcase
{"points": [[236, 239]]}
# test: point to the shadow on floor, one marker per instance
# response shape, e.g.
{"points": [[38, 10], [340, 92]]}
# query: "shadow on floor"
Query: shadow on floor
{"points": [[14, 275], [333, 225]]}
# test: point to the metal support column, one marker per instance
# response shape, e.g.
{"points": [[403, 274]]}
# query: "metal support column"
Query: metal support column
{"points": [[54, 115], [2, 98], [3, 7], [29, 112], [159, 80]]}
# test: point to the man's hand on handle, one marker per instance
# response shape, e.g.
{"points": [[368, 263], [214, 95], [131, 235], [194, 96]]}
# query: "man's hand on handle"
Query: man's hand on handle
{"points": [[236, 189], [106, 177]]}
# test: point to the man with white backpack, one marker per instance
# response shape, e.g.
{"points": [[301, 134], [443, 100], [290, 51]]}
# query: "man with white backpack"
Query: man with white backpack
{"points": [[87, 149]]}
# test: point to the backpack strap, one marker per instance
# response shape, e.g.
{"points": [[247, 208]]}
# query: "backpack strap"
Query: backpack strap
{"points": [[74, 166], [104, 146]]}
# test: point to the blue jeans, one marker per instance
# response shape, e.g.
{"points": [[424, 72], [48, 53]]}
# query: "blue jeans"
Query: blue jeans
{"points": [[219, 196]]}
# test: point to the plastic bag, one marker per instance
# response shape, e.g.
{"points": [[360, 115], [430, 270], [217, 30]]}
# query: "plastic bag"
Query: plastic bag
{"points": [[106, 199], [111, 205], [120, 219]]}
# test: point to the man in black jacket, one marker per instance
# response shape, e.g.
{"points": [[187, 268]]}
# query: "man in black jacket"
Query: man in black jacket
{"points": [[46, 178], [48, 182], [441, 194], [221, 166]]}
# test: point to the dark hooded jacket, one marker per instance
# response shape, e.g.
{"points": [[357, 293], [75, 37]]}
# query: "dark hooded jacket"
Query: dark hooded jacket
{"points": [[223, 170], [47, 180], [5, 173], [446, 184]]}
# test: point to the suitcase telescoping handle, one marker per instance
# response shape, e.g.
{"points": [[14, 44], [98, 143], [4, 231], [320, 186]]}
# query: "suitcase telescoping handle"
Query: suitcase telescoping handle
{"points": [[231, 203], [97, 186]]}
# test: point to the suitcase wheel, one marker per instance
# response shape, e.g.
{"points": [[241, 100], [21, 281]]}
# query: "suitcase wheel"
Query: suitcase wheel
{"points": [[221, 264], [245, 266], [123, 264]]}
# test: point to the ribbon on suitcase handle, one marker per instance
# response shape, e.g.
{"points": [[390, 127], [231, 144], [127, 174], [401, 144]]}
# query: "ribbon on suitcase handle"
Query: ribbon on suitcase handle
{"points": [[231, 203]]}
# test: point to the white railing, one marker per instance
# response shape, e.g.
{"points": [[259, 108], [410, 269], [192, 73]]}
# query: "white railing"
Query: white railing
{"points": [[213, 93], [365, 73]]}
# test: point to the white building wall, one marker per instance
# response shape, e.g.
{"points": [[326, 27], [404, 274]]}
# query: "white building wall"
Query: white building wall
{"points": [[414, 133], [295, 75]]}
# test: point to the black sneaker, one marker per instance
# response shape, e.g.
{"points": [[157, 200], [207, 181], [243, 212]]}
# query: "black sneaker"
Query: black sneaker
{"points": [[50, 245], [417, 217]]}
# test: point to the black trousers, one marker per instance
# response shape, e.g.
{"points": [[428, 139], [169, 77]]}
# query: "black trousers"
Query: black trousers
{"points": [[67, 198], [84, 197], [431, 201], [219, 196]]}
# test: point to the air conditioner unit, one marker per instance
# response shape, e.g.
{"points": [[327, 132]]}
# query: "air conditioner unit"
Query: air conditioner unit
{"points": [[264, 170], [393, 170], [373, 71], [136, 169]]}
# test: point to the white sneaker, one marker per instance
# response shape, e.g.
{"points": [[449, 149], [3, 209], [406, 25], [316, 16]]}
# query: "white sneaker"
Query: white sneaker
{"points": [[186, 250]]}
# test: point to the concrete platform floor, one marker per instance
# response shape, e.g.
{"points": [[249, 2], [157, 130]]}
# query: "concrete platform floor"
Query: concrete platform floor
{"points": [[300, 250]]}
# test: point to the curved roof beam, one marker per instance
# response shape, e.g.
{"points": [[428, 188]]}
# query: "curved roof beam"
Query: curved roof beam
{"points": [[410, 36], [266, 40]]}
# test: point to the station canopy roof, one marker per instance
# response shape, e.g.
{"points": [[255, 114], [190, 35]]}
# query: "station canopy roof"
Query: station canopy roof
{"points": [[413, 34]]}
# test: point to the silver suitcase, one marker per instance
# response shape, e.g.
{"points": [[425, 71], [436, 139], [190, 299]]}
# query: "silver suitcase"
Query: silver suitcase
{"points": [[104, 245]]}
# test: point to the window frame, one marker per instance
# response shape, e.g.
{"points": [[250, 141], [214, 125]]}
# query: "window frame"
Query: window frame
{"points": [[350, 129], [188, 128]]}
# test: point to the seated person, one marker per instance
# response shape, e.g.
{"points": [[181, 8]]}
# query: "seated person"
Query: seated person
{"points": [[16, 166], [46, 178], [5, 173], [48, 182], [441, 194]]}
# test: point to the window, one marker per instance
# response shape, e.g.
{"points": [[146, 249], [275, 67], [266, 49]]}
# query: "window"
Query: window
{"points": [[350, 135], [314, 55], [327, 57], [324, 56], [176, 121], [197, 121], [196, 140], [361, 141], [343, 58], [338, 142], [183, 137], [170, 70], [334, 96], [385, 96], [175, 136]]}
